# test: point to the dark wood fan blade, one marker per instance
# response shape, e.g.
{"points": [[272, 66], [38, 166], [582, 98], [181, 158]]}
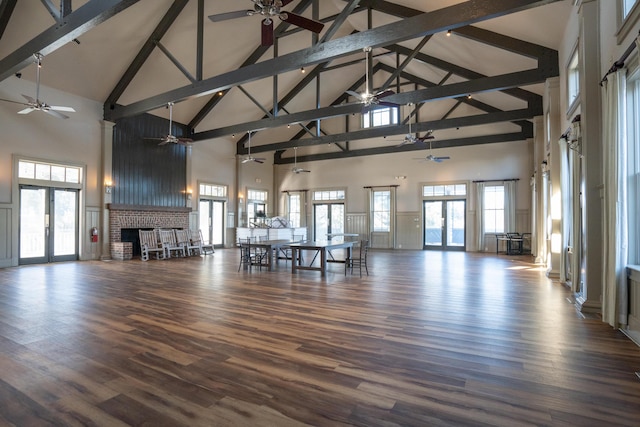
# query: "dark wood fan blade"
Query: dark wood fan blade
{"points": [[286, 2], [385, 93], [267, 32], [387, 104], [229, 15], [302, 22], [15, 102]]}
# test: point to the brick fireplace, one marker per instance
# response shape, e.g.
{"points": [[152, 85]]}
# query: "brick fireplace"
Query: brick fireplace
{"points": [[141, 217]]}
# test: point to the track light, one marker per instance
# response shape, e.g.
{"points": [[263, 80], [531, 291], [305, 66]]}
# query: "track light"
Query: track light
{"points": [[302, 70], [448, 33], [469, 96]]}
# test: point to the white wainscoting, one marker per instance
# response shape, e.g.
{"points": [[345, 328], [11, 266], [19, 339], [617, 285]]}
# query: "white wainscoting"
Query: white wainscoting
{"points": [[91, 250], [409, 230], [633, 328], [357, 224], [6, 235]]}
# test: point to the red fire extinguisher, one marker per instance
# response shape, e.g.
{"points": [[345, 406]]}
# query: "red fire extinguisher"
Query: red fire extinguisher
{"points": [[94, 234]]}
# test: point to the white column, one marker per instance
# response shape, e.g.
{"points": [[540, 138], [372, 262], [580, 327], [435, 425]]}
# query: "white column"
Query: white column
{"points": [[552, 126], [590, 297], [540, 245], [106, 129]]}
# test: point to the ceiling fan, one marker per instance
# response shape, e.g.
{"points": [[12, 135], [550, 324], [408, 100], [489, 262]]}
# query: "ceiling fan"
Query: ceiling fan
{"points": [[431, 157], [249, 158], [270, 9], [38, 105], [370, 100], [410, 138], [170, 137], [296, 169]]}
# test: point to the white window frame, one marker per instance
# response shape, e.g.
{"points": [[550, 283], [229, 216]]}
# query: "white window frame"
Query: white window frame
{"points": [[381, 210], [380, 116], [495, 208], [633, 163], [295, 209], [628, 15], [573, 81]]}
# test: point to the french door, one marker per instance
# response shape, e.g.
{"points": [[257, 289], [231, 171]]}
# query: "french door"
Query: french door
{"points": [[212, 221], [48, 225], [328, 218], [444, 225]]}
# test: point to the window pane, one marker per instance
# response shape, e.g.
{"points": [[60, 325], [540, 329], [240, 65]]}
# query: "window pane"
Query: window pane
{"points": [[26, 170], [58, 173], [73, 175], [43, 171]]}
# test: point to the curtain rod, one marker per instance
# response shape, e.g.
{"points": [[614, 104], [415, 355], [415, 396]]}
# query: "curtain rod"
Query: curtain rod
{"points": [[382, 186], [496, 180], [294, 191], [620, 62]]}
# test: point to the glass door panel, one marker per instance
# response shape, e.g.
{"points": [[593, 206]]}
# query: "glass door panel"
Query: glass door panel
{"points": [[444, 225], [48, 226], [433, 221], [328, 219], [455, 222], [212, 221], [34, 227]]}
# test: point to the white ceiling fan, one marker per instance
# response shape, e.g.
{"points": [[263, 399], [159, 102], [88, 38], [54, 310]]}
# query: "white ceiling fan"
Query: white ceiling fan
{"points": [[296, 169], [431, 158], [370, 100], [170, 137], [410, 138], [38, 105], [249, 158]]}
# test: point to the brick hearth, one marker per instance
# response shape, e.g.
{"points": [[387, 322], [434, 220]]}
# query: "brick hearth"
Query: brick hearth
{"points": [[131, 216]]}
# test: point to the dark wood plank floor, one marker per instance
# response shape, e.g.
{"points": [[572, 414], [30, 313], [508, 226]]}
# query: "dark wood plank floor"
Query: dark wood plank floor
{"points": [[427, 339]]}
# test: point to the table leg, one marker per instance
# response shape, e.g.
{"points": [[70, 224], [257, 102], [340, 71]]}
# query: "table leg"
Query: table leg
{"points": [[294, 259], [323, 262]]}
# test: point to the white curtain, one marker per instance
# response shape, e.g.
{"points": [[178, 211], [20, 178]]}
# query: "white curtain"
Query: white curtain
{"points": [[480, 216], [510, 206], [615, 217]]}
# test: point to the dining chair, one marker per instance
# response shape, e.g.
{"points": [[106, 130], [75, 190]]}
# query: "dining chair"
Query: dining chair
{"points": [[359, 260]]}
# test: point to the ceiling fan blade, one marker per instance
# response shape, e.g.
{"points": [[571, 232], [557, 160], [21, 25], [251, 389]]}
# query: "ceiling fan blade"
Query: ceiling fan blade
{"points": [[259, 160], [29, 99], [230, 15], [15, 102], [55, 113], [27, 110], [385, 93], [441, 158], [387, 104], [61, 108], [302, 22], [267, 32], [354, 94], [286, 2]]}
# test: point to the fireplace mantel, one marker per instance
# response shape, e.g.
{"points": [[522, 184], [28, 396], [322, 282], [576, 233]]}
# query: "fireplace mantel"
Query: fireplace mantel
{"points": [[120, 207]]}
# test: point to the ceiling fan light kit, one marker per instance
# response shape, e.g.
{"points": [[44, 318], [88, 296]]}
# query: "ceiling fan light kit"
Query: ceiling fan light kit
{"points": [[271, 9]]}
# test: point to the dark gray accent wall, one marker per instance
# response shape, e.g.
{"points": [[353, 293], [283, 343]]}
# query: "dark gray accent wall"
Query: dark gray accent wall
{"points": [[144, 172]]}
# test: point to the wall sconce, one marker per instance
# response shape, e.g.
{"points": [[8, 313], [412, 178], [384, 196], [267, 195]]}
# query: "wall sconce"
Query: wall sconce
{"points": [[108, 188]]}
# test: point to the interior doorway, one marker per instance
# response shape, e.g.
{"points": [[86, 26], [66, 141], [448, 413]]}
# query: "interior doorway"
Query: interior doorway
{"points": [[48, 225], [444, 225]]}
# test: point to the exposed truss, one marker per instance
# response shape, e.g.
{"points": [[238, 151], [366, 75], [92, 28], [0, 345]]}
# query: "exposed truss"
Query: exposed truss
{"points": [[317, 59]]}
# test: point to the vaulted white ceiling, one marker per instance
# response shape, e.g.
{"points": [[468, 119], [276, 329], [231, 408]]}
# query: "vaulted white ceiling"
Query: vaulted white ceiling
{"points": [[93, 67]]}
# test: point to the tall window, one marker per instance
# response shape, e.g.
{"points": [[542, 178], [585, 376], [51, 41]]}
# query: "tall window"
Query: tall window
{"points": [[295, 204], [573, 81], [380, 117], [256, 205], [494, 209], [633, 165], [381, 210], [627, 5]]}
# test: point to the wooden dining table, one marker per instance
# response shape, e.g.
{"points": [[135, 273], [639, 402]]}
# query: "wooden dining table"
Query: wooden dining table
{"points": [[320, 246], [272, 247]]}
